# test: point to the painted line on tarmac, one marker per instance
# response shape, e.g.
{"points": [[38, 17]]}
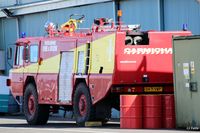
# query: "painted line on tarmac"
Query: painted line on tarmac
{"points": [[81, 130]]}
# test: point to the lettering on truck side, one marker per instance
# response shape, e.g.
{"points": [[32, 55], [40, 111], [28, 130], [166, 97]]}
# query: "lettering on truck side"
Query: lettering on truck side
{"points": [[50, 46], [148, 51]]}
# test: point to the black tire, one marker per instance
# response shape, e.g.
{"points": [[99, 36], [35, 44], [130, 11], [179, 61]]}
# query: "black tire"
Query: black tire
{"points": [[103, 111], [88, 111], [2, 114], [35, 113]]}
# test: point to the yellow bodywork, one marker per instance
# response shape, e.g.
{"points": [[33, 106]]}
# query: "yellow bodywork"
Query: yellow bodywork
{"points": [[102, 54]]}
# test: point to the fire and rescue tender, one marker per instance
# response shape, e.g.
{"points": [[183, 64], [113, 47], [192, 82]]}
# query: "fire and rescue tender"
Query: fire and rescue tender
{"points": [[85, 71]]}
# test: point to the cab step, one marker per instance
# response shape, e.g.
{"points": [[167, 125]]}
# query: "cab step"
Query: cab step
{"points": [[93, 124]]}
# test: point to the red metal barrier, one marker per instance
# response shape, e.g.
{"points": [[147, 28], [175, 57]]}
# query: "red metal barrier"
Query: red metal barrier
{"points": [[168, 117], [152, 111], [130, 111]]}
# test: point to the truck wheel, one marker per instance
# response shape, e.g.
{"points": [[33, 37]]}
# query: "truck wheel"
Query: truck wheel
{"points": [[83, 110], [35, 113]]}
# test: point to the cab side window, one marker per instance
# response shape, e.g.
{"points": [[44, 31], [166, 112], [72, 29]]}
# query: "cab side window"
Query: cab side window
{"points": [[26, 54], [19, 56], [34, 53]]}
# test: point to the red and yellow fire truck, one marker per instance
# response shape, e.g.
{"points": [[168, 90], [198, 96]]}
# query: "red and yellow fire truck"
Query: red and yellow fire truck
{"points": [[86, 70]]}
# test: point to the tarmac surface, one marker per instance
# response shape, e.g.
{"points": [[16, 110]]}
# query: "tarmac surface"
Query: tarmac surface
{"points": [[17, 124]]}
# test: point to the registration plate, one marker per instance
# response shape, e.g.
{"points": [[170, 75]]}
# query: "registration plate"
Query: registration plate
{"points": [[153, 89]]}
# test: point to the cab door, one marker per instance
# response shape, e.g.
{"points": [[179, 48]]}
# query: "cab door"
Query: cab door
{"points": [[31, 59], [17, 72]]}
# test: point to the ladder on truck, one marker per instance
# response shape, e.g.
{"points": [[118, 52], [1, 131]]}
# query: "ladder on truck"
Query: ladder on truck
{"points": [[87, 64]]}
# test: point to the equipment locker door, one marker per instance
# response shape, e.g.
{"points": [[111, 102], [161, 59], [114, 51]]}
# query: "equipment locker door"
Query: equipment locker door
{"points": [[66, 75]]}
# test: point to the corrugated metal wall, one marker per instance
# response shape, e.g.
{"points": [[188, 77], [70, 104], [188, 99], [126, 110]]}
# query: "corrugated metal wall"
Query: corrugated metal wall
{"points": [[10, 34], [33, 24], [90, 12], [144, 12], [178, 12], [1, 35], [7, 2], [29, 1], [14, 2], [10, 30]]}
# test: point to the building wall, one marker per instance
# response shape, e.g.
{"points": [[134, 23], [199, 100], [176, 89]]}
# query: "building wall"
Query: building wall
{"points": [[162, 14], [1, 35], [33, 24], [144, 12], [15, 2], [7, 2], [90, 11], [10, 34], [177, 13], [29, 1]]}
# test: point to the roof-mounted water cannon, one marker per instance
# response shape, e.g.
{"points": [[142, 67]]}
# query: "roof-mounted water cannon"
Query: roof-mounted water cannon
{"points": [[135, 27], [50, 28], [102, 21], [72, 24], [100, 24]]}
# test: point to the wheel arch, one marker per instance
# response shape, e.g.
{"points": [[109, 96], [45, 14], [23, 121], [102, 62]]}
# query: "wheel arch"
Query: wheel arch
{"points": [[78, 81], [29, 79], [35, 113]]}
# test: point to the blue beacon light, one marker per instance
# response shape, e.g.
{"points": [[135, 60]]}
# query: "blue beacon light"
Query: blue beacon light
{"points": [[185, 27], [23, 35]]}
